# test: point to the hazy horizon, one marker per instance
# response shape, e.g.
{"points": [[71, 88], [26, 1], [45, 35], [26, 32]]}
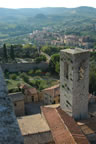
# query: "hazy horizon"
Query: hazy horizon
{"points": [[46, 7], [46, 3]]}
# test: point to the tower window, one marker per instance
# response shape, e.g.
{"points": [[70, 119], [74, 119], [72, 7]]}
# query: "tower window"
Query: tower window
{"points": [[81, 72], [32, 98], [15, 104], [66, 70]]}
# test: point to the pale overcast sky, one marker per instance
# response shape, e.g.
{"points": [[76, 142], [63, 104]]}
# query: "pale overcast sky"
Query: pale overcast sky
{"points": [[46, 3]]}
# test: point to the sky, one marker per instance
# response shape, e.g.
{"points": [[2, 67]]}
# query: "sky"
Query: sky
{"points": [[46, 3]]}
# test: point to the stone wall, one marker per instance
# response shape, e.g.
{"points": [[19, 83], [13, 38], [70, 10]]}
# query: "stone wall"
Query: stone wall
{"points": [[18, 103], [74, 82], [9, 129], [24, 67], [38, 138], [40, 96], [19, 108]]}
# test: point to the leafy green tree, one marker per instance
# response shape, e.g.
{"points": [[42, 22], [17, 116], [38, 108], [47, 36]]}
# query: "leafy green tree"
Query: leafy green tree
{"points": [[25, 77], [38, 71], [30, 72], [92, 83], [57, 67], [92, 78], [54, 63], [13, 76], [40, 58]]}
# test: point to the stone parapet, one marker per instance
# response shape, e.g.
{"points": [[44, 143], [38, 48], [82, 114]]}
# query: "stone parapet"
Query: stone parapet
{"points": [[9, 129]]}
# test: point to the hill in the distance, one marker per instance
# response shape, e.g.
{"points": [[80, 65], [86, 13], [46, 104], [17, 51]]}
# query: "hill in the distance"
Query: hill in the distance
{"points": [[47, 11], [17, 22]]}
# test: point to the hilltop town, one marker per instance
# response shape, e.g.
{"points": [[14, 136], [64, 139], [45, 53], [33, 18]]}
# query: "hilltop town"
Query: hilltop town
{"points": [[48, 76]]}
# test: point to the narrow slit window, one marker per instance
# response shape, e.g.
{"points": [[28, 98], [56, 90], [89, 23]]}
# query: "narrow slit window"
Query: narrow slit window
{"points": [[66, 70]]}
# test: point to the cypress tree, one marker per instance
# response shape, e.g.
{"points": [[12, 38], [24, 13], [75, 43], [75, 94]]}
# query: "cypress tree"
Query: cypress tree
{"points": [[5, 53], [12, 52]]}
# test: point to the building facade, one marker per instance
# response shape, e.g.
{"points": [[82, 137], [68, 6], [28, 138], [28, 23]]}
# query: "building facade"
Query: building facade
{"points": [[30, 95], [74, 82], [18, 103], [51, 95]]}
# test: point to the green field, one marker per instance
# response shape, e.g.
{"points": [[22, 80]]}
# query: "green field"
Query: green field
{"points": [[40, 81]]}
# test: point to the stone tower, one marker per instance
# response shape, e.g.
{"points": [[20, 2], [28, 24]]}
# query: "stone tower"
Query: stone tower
{"points": [[74, 82]]}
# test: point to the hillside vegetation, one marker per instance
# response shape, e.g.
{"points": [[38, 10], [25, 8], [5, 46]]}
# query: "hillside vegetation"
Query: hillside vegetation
{"points": [[18, 23]]}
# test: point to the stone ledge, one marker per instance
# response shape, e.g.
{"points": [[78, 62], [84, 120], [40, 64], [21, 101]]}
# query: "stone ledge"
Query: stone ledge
{"points": [[9, 129]]}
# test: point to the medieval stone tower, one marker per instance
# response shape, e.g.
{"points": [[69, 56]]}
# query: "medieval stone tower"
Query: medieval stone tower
{"points": [[74, 82]]}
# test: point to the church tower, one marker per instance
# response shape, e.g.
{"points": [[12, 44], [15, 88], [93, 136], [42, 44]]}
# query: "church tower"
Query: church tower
{"points": [[74, 82]]}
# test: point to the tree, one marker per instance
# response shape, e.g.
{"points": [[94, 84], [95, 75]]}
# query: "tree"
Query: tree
{"points": [[54, 63], [25, 77], [92, 83], [40, 59], [5, 53], [57, 67], [13, 76], [12, 52]]}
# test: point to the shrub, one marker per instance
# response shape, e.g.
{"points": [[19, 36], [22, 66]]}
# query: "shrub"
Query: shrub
{"points": [[47, 74], [13, 90], [6, 74], [13, 76], [40, 58], [25, 77], [18, 85], [31, 72], [38, 71]]}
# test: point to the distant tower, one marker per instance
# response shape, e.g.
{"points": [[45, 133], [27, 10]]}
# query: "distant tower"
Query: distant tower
{"points": [[74, 82]]}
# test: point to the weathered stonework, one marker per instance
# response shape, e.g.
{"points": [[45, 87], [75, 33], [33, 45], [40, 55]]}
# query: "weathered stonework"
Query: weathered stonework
{"points": [[74, 82], [24, 67], [9, 129]]}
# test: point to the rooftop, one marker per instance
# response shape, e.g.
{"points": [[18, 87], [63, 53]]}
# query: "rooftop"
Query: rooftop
{"points": [[63, 127], [75, 51], [53, 91], [53, 87], [89, 128], [16, 96], [32, 90], [52, 106], [32, 124], [24, 86]]}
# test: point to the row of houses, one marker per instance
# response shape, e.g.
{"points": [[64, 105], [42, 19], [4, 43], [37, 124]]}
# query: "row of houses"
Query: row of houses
{"points": [[57, 39], [31, 95]]}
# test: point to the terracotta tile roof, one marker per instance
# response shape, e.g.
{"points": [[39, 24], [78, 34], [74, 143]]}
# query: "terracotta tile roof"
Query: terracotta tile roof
{"points": [[64, 129], [53, 87], [52, 91], [88, 126], [16, 96], [32, 90], [23, 86], [59, 131], [74, 129]]}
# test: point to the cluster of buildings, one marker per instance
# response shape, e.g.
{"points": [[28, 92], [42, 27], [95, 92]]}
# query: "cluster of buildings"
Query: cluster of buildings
{"points": [[47, 37], [29, 95], [73, 40], [73, 121]]}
